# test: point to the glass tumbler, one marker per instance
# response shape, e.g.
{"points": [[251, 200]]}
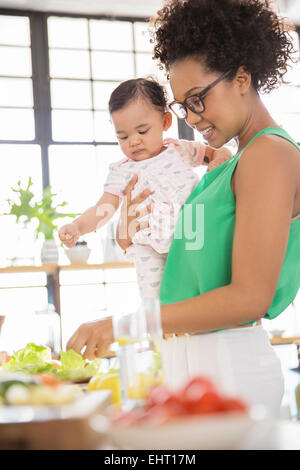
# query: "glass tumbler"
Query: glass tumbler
{"points": [[138, 338]]}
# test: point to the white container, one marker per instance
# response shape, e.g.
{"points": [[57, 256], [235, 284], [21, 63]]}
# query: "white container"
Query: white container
{"points": [[78, 254]]}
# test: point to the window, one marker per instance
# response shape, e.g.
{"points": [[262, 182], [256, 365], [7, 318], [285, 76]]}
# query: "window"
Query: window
{"points": [[283, 103], [55, 127]]}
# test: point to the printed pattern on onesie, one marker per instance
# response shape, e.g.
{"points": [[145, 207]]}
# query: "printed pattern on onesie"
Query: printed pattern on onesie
{"points": [[171, 179]]}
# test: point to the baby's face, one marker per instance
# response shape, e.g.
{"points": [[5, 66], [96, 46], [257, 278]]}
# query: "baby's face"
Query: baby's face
{"points": [[139, 127]]}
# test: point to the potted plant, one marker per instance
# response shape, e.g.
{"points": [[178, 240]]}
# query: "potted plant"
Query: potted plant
{"points": [[45, 212]]}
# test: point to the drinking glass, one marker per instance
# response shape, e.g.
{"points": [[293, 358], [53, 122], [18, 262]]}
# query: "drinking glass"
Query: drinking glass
{"points": [[138, 338]]}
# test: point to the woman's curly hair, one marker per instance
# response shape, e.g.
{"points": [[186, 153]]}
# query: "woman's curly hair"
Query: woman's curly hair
{"points": [[225, 34]]}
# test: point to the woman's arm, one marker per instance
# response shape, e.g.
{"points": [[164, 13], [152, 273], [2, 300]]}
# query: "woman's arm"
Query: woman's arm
{"points": [[265, 188]]}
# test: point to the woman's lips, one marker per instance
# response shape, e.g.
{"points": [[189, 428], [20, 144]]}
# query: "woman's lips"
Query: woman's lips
{"points": [[207, 132]]}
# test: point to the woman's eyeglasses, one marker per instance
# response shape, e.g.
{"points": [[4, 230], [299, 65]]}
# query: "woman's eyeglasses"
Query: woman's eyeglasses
{"points": [[195, 102]]}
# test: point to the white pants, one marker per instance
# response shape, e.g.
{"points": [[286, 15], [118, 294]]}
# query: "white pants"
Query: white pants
{"points": [[241, 362]]}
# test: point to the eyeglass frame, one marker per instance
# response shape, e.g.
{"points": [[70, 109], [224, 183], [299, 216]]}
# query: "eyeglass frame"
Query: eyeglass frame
{"points": [[200, 95]]}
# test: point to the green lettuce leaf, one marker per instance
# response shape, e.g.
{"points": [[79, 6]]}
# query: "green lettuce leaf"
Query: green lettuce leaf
{"points": [[73, 366], [33, 359]]}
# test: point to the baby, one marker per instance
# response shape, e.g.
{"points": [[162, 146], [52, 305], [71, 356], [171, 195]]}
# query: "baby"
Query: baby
{"points": [[138, 110]]}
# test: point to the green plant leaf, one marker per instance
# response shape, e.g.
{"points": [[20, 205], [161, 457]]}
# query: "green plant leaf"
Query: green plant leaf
{"points": [[45, 210]]}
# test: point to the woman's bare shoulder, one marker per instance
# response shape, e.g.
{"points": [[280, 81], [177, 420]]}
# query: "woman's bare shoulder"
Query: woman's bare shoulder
{"points": [[271, 156]]}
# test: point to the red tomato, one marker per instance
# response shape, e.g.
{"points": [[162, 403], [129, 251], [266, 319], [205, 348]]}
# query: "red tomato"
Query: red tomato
{"points": [[196, 388], [233, 404], [49, 379], [157, 396], [164, 412], [127, 418], [210, 402]]}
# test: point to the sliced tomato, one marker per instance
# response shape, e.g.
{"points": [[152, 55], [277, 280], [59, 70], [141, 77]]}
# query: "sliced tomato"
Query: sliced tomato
{"points": [[234, 404], [196, 388], [210, 402], [49, 379], [165, 412], [129, 418], [158, 395]]}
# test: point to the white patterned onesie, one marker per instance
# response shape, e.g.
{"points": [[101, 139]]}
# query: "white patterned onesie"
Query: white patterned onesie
{"points": [[171, 179]]}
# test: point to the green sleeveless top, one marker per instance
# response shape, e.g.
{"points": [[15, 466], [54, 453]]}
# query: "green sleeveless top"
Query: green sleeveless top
{"points": [[200, 255]]}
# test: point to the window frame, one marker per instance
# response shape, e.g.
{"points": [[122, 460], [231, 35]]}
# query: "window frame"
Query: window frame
{"points": [[41, 83]]}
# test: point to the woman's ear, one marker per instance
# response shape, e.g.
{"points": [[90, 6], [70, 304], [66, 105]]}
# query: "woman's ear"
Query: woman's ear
{"points": [[243, 80], [167, 122]]}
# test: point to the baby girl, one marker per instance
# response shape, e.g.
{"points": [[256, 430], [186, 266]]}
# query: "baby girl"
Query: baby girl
{"points": [[138, 109]]}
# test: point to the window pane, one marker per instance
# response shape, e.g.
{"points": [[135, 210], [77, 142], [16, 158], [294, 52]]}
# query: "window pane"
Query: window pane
{"points": [[102, 92], [112, 65], [72, 126], [81, 188], [17, 124], [68, 32], [14, 30], [69, 64], [16, 92], [145, 66], [111, 35], [142, 38], [20, 162], [104, 129], [15, 61], [71, 94], [293, 75], [290, 122], [284, 99]]}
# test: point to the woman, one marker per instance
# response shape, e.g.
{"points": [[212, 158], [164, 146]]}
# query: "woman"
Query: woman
{"points": [[218, 55]]}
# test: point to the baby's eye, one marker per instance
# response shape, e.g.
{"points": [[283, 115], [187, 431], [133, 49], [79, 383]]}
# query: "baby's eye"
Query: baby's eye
{"points": [[143, 132], [122, 138]]}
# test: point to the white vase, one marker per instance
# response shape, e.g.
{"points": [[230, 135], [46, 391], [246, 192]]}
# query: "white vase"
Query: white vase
{"points": [[49, 253]]}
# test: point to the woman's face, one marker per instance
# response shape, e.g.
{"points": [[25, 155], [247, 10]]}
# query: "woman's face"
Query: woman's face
{"points": [[224, 111]]}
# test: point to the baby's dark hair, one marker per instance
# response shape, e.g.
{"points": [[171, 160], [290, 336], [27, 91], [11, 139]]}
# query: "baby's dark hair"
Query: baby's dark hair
{"points": [[146, 88], [225, 34]]}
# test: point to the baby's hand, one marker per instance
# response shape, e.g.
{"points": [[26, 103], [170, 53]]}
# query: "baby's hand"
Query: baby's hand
{"points": [[221, 156], [69, 235]]}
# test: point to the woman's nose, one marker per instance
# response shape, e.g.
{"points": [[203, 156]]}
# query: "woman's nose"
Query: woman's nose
{"points": [[192, 119]]}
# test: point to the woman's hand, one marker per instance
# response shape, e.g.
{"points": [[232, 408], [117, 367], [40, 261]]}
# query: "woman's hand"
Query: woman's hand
{"points": [[129, 223], [95, 336]]}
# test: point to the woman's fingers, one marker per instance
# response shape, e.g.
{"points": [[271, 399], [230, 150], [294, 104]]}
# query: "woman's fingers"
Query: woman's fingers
{"points": [[144, 211], [128, 190], [77, 341], [141, 197], [142, 226], [90, 350]]}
